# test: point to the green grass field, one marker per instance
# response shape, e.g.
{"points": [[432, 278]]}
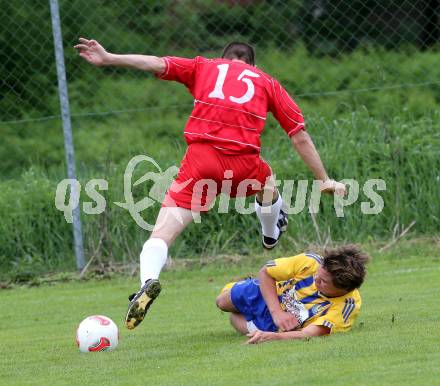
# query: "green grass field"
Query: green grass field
{"points": [[186, 341]]}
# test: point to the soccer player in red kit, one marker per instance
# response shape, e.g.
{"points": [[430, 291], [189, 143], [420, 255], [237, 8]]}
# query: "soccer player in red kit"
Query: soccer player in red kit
{"points": [[231, 101]]}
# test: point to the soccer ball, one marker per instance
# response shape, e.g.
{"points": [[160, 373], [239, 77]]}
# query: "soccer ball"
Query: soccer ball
{"points": [[97, 333]]}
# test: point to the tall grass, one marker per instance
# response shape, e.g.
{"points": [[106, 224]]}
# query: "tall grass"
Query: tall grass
{"points": [[392, 135]]}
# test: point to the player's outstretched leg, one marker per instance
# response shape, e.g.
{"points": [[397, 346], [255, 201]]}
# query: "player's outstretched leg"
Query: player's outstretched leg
{"points": [[272, 217], [169, 224]]}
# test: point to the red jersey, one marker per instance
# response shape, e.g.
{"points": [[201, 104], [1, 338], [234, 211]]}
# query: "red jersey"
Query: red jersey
{"points": [[231, 102]]}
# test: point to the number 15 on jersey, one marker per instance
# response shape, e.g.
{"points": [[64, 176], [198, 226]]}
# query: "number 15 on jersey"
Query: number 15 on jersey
{"points": [[245, 77]]}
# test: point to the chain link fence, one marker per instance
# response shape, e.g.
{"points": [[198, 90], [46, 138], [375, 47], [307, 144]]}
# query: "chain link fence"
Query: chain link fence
{"points": [[327, 29], [320, 50]]}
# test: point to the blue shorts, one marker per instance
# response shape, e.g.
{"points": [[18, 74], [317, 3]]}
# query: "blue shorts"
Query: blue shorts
{"points": [[247, 299]]}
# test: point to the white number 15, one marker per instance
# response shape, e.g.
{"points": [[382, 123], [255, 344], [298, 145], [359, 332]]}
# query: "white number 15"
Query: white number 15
{"points": [[218, 89]]}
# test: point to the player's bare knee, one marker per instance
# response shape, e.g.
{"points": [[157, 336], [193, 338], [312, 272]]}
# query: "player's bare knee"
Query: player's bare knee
{"points": [[165, 235], [239, 323], [219, 302], [222, 302], [267, 195]]}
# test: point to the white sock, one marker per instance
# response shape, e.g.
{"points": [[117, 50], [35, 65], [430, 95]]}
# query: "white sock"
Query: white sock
{"points": [[153, 257], [268, 215]]}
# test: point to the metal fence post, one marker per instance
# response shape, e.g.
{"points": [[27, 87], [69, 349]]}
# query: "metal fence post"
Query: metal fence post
{"points": [[67, 127]]}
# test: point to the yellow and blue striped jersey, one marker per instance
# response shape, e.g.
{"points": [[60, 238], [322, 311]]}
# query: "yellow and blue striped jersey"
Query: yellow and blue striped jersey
{"points": [[298, 294]]}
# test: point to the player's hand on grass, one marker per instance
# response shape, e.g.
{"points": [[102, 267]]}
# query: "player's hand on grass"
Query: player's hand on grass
{"points": [[285, 321], [92, 51], [258, 336], [333, 187]]}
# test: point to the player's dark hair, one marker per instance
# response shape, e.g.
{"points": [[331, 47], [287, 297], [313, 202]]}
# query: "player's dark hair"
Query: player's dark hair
{"points": [[241, 51], [346, 265]]}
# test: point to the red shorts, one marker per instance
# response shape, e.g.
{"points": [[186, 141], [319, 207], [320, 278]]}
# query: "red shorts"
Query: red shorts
{"points": [[206, 172]]}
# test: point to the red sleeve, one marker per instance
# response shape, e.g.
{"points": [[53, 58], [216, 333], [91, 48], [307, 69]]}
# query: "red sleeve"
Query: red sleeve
{"points": [[181, 70], [285, 110]]}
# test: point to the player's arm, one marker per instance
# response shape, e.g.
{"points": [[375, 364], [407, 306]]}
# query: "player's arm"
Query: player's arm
{"points": [[96, 54], [290, 117], [305, 147], [307, 332], [284, 320], [303, 144]]}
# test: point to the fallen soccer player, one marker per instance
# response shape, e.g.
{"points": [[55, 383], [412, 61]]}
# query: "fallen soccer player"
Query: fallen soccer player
{"points": [[298, 297]]}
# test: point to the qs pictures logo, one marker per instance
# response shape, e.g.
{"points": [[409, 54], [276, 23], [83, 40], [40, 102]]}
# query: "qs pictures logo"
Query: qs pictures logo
{"points": [[67, 197]]}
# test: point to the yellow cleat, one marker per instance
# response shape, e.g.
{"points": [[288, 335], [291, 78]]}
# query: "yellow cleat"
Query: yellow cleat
{"points": [[141, 302]]}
